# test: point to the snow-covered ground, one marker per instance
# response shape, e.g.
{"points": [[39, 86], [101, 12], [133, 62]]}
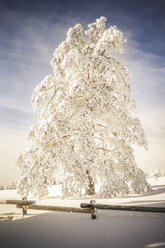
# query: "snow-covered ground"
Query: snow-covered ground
{"points": [[112, 229], [155, 198]]}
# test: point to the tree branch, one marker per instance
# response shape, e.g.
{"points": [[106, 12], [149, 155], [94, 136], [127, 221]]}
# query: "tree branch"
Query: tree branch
{"points": [[104, 149], [53, 96]]}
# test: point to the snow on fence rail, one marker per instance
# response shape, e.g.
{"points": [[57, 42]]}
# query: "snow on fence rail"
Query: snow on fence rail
{"points": [[20, 202]]}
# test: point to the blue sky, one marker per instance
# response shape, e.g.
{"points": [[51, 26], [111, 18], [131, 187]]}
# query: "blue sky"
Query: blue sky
{"points": [[29, 33]]}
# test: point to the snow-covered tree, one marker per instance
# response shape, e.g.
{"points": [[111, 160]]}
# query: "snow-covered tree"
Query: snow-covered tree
{"points": [[85, 127], [13, 185], [156, 172], [1, 187]]}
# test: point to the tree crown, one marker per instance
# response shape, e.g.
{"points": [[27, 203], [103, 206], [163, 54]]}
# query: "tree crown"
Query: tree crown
{"points": [[86, 122]]}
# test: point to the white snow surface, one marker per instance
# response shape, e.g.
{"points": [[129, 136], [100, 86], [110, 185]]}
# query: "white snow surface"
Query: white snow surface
{"points": [[111, 229], [155, 198]]}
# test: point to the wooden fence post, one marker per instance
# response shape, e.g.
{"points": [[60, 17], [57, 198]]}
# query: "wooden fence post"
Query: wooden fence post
{"points": [[24, 210], [92, 202]]}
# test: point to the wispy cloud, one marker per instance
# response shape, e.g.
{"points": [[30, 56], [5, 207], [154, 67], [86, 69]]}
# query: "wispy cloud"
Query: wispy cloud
{"points": [[148, 87], [9, 105], [24, 62]]}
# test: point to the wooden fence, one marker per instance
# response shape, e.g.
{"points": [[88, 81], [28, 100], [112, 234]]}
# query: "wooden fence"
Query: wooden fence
{"points": [[86, 208], [25, 204]]}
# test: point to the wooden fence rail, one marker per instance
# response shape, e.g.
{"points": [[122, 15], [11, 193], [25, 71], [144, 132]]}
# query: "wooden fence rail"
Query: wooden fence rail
{"points": [[57, 208], [123, 207], [26, 204]]}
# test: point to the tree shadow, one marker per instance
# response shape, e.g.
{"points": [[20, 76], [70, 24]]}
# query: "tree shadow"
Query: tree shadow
{"points": [[160, 189], [156, 190], [153, 203], [158, 186]]}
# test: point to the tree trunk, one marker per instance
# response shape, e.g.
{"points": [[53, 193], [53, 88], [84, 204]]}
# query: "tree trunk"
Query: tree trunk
{"points": [[91, 186]]}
